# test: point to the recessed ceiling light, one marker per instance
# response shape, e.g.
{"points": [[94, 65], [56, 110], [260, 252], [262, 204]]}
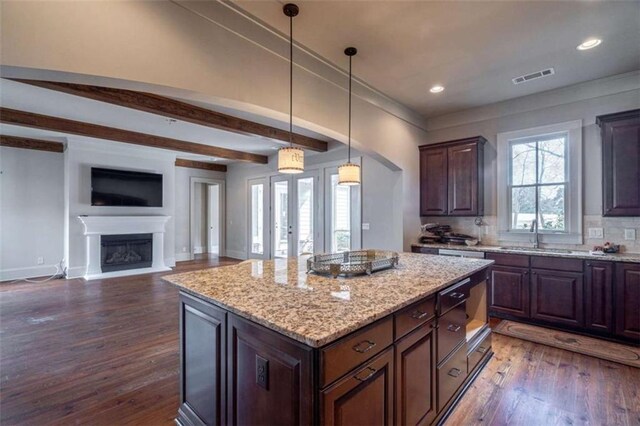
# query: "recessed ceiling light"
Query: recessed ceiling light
{"points": [[589, 44], [436, 89]]}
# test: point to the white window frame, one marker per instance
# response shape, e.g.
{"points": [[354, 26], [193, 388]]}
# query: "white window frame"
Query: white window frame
{"points": [[573, 197]]}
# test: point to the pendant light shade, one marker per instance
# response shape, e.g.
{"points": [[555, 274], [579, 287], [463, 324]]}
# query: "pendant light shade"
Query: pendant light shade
{"points": [[349, 173], [290, 158]]}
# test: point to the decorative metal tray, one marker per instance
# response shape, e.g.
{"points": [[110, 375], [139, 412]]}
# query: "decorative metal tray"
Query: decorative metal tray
{"points": [[352, 262]]}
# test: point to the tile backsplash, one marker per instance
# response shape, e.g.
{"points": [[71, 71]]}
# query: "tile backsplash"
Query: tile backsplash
{"points": [[613, 229]]}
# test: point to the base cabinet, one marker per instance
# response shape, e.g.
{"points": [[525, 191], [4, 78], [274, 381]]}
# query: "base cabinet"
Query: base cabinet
{"points": [[416, 377], [599, 296], [557, 296], [509, 291], [627, 301], [362, 398]]}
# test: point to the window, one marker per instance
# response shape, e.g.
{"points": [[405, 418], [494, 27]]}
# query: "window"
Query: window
{"points": [[305, 195], [340, 216], [257, 218], [540, 184]]}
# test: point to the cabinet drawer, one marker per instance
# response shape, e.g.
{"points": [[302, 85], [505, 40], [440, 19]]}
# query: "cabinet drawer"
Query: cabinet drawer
{"points": [[410, 318], [505, 259], [451, 330], [478, 351], [451, 375], [351, 351], [452, 296], [556, 263]]}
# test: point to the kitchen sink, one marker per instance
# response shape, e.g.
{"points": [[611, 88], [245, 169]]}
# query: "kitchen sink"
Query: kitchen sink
{"points": [[540, 250]]}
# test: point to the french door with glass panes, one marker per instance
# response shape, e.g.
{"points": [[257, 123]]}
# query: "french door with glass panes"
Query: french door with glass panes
{"points": [[284, 216], [342, 223]]}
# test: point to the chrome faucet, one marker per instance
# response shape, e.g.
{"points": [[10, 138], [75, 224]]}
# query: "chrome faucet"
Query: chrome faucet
{"points": [[534, 225]]}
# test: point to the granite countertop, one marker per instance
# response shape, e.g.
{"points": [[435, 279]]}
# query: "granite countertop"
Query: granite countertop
{"points": [[315, 309], [576, 254]]}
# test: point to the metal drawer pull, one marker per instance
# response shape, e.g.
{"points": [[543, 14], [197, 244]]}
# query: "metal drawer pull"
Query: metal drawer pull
{"points": [[455, 295], [369, 346], [418, 314], [372, 371], [453, 328], [454, 372], [481, 350]]}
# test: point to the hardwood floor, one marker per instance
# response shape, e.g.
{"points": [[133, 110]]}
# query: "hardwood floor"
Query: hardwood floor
{"points": [[105, 352]]}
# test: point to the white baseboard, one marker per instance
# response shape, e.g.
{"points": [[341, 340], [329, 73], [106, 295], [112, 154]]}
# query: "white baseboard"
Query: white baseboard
{"points": [[170, 262], [198, 250], [181, 257], [236, 254], [214, 249], [76, 271], [126, 273], [29, 272]]}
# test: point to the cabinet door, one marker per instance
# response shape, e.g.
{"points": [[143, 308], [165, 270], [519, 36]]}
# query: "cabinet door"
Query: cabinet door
{"points": [[416, 377], [509, 291], [627, 300], [599, 296], [202, 363], [364, 397], [557, 297], [463, 179], [621, 164], [433, 182], [270, 377]]}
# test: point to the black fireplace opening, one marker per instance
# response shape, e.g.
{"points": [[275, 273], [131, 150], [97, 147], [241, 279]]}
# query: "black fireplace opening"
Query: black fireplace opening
{"points": [[128, 251]]}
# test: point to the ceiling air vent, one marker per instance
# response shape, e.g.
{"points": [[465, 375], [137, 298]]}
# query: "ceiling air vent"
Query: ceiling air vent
{"points": [[533, 76]]}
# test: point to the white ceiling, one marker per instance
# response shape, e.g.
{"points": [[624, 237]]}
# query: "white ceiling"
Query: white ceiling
{"points": [[24, 97], [473, 48]]}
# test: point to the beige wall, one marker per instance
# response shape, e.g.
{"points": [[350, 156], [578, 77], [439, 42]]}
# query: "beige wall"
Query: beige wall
{"points": [[133, 44]]}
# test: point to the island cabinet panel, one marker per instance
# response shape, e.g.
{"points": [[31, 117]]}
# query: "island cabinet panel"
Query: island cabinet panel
{"points": [[451, 330], [451, 375], [433, 182], [413, 316], [463, 179], [347, 353], [627, 301], [364, 397], [202, 349], [557, 296], [415, 361], [620, 163], [270, 380], [599, 296], [509, 291]]}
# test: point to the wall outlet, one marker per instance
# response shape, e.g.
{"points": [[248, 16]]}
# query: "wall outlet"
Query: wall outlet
{"points": [[40, 260], [365, 226], [262, 372], [596, 233], [629, 234]]}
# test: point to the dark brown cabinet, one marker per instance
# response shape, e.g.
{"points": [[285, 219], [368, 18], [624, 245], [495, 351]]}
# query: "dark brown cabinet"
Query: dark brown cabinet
{"points": [[451, 181], [362, 398], [599, 296], [202, 349], [620, 163], [557, 296], [627, 301], [267, 370], [509, 291], [415, 361]]}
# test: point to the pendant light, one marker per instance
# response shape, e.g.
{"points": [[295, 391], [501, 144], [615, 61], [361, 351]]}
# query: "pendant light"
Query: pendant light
{"points": [[290, 158], [349, 173]]}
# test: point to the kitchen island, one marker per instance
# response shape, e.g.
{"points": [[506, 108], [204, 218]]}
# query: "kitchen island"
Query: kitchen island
{"points": [[266, 343]]}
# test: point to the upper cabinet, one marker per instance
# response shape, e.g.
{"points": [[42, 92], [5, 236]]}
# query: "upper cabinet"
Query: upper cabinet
{"points": [[620, 163], [451, 181]]}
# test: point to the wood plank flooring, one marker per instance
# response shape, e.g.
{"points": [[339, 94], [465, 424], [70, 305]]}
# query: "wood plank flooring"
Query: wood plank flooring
{"points": [[105, 352]]}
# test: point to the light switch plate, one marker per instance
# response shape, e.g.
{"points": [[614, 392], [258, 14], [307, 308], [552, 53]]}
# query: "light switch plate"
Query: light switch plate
{"points": [[365, 226], [40, 260], [629, 234], [596, 233]]}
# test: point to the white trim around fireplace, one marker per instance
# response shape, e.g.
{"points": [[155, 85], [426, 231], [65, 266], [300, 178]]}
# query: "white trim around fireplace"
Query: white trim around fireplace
{"points": [[95, 226]]}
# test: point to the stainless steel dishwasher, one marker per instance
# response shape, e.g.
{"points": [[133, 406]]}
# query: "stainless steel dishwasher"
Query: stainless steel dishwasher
{"points": [[461, 253]]}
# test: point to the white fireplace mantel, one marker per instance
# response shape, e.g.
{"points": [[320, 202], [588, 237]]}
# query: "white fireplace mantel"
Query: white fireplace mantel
{"points": [[95, 226]]}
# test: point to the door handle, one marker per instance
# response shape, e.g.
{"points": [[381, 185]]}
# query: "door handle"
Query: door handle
{"points": [[454, 372], [453, 328], [418, 314], [361, 350], [372, 371]]}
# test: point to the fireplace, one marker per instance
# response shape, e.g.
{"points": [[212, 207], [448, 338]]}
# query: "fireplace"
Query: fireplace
{"points": [[126, 251]]}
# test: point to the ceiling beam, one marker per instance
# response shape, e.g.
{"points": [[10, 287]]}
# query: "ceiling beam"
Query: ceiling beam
{"points": [[200, 165], [56, 124], [167, 107], [28, 143]]}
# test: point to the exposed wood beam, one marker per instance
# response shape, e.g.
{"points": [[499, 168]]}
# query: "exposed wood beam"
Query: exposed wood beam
{"points": [[200, 165], [38, 121], [28, 143], [167, 107]]}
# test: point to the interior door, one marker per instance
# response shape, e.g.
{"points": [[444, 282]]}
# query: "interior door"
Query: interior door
{"points": [[258, 223]]}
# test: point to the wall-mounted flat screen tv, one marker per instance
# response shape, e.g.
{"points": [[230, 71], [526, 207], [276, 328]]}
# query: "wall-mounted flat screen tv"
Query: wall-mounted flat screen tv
{"points": [[125, 188]]}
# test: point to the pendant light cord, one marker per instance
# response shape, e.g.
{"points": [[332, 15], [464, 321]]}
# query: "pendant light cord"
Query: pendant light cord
{"points": [[349, 151], [291, 81]]}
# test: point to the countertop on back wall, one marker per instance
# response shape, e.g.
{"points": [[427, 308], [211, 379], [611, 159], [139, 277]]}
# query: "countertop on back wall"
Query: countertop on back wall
{"points": [[575, 254]]}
